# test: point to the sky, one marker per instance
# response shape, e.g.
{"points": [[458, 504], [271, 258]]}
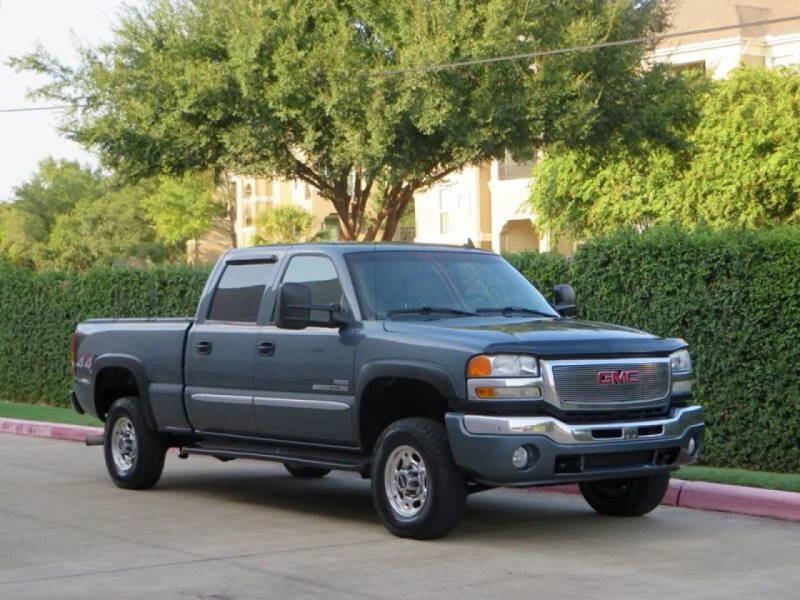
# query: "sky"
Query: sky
{"points": [[27, 138]]}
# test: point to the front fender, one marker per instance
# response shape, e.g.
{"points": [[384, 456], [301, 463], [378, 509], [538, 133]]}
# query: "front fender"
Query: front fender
{"points": [[435, 375]]}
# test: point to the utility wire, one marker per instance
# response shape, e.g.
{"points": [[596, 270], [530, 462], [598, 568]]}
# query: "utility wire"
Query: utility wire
{"points": [[512, 57], [628, 42], [36, 108]]}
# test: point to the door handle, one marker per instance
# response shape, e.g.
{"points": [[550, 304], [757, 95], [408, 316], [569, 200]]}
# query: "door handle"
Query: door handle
{"points": [[204, 347], [266, 348]]}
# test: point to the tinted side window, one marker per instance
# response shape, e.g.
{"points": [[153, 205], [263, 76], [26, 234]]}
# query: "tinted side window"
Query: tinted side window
{"points": [[319, 274], [239, 292]]}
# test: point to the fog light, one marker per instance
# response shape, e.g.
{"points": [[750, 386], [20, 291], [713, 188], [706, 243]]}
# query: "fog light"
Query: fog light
{"points": [[691, 447], [521, 457], [682, 386]]}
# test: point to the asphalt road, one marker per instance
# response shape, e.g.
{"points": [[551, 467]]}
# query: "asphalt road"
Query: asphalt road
{"points": [[247, 529]]}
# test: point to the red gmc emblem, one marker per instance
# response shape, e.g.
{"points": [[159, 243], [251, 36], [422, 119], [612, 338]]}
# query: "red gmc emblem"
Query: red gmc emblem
{"points": [[617, 377]]}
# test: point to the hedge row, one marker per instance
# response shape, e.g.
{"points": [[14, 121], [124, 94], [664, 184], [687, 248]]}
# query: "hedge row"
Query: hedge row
{"points": [[38, 312], [734, 296]]}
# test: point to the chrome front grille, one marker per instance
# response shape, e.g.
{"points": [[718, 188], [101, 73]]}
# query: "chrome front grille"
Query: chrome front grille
{"points": [[579, 383]]}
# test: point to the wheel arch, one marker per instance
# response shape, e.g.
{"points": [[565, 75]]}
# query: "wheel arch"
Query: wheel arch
{"points": [[118, 375], [431, 381]]}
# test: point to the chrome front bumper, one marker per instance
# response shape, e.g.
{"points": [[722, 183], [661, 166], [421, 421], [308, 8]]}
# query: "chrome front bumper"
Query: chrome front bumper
{"points": [[483, 447], [563, 433]]}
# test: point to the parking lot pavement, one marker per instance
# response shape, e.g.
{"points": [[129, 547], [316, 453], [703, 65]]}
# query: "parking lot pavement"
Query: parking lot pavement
{"points": [[247, 529]]}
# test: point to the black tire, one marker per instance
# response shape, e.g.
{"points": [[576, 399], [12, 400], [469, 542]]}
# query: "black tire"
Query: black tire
{"points": [[626, 497], [306, 472], [446, 497], [147, 460]]}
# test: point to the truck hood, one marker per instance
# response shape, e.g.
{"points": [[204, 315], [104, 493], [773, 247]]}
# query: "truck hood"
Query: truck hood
{"points": [[542, 337]]}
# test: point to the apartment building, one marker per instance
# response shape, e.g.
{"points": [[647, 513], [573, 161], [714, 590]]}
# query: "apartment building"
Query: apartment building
{"points": [[255, 195]]}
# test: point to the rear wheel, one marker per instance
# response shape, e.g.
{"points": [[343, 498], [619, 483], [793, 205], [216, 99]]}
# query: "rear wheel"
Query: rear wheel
{"points": [[632, 497], [134, 454], [306, 472], [417, 489]]}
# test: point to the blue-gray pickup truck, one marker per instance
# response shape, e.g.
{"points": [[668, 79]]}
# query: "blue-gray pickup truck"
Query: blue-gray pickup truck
{"points": [[434, 371]]}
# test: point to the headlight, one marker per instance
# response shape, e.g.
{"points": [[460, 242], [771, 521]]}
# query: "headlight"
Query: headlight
{"points": [[680, 362], [503, 365]]}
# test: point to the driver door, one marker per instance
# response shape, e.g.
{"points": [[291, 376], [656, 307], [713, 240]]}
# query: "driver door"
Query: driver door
{"points": [[303, 379]]}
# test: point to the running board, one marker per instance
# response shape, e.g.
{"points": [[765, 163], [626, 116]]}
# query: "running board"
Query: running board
{"points": [[312, 457]]}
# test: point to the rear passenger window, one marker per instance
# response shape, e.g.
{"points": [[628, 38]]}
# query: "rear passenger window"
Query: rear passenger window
{"points": [[239, 292]]}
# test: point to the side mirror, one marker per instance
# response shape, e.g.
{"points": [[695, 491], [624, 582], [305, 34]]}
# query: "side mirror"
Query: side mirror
{"points": [[294, 307], [293, 310], [565, 300]]}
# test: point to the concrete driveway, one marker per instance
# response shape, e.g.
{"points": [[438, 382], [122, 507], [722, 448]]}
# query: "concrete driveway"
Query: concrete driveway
{"points": [[247, 529]]}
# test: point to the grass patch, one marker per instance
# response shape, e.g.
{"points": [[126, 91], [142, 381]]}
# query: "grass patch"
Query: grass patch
{"points": [[40, 412], [789, 482]]}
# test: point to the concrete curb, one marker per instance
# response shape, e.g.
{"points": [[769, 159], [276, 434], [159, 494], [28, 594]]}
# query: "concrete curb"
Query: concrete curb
{"points": [[738, 499], [700, 495], [43, 429]]}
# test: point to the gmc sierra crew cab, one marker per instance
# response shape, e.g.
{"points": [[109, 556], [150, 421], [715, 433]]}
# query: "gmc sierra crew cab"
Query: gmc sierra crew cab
{"points": [[433, 371]]}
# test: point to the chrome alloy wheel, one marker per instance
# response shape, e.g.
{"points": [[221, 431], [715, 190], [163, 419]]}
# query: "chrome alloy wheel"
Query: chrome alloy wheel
{"points": [[406, 480], [123, 445]]}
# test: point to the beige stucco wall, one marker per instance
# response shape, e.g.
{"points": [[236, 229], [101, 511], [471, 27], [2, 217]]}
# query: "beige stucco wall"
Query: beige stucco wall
{"points": [[767, 45]]}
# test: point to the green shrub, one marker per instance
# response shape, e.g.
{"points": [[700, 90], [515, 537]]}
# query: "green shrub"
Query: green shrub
{"points": [[40, 311], [734, 296]]}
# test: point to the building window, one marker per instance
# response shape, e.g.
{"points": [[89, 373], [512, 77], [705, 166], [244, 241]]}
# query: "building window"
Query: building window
{"points": [[248, 205], [330, 228], [454, 209], [698, 65], [508, 168]]}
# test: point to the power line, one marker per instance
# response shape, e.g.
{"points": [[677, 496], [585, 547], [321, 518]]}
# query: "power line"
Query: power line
{"points": [[628, 42], [511, 57], [35, 108]]}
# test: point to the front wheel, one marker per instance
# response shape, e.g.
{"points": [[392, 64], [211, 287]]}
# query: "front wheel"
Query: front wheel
{"points": [[632, 497], [134, 454], [417, 489]]}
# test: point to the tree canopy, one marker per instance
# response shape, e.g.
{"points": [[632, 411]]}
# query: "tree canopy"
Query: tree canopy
{"points": [[739, 167], [71, 217], [309, 90]]}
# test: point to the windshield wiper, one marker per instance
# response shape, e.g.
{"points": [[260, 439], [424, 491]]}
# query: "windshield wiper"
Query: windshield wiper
{"points": [[507, 310], [428, 310]]}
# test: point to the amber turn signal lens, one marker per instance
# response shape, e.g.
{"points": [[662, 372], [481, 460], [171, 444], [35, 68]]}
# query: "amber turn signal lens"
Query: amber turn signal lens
{"points": [[484, 392], [480, 366]]}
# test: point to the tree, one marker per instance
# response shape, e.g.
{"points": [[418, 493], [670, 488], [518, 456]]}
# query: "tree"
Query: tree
{"points": [[739, 166], [285, 224], [55, 188], [184, 208], [110, 230], [315, 90]]}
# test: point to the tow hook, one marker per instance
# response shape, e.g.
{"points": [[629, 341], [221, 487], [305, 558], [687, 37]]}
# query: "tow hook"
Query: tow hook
{"points": [[183, 454]]}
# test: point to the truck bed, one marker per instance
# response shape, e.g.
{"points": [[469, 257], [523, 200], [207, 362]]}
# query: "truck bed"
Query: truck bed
{"points": [[155, 344]]}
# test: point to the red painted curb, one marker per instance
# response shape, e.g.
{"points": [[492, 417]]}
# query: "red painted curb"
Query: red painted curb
{"points": [[738, 499], [43, 429], [741, 500]]}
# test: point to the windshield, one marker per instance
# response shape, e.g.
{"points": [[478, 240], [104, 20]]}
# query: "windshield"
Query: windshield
{"points": [[436, 284]]}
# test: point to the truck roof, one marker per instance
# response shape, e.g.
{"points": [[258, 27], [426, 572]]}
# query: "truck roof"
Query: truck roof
{"points": [[255, 252]]}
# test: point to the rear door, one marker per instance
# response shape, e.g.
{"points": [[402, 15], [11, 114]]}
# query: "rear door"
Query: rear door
{"points": [[304, 379], [219, 351]]}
